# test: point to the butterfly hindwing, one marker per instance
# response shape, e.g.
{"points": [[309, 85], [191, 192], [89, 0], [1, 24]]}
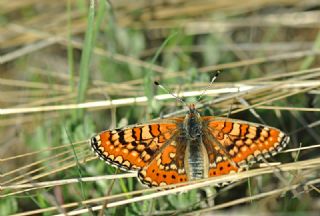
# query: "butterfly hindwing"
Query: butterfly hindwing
{"points": [[167, 168]]}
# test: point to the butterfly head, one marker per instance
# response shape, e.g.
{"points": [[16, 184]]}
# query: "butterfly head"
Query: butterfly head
{"points": [[193, 123]]}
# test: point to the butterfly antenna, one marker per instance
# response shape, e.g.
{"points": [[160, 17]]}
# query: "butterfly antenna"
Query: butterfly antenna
{"points": [[173, 95], [209, 86]]}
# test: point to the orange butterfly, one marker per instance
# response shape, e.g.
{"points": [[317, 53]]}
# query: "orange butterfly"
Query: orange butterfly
{"points": [[181, 149]]}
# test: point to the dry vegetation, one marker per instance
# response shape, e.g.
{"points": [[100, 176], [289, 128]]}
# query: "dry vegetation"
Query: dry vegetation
{"points": [[69, 70]]}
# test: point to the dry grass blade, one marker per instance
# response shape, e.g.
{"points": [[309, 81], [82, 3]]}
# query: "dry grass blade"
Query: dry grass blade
{"points": [[308, 165]]}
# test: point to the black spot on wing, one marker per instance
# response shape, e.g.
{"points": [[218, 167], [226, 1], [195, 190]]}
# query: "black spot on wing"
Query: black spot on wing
{"points": [[229, 147], [149, 151], [134, 143], [258, 132], [121, 137], [134, 135]]}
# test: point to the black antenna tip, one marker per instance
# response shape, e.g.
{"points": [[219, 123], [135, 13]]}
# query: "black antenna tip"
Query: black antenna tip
{"points": [[156, 83]]}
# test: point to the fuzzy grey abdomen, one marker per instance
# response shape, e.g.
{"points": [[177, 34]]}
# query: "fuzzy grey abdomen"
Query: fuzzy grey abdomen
{"points": [[196, 160]]}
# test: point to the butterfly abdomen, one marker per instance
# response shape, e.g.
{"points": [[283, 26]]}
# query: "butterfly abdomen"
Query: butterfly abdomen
{"points": [[196, 157], [196, 160]]}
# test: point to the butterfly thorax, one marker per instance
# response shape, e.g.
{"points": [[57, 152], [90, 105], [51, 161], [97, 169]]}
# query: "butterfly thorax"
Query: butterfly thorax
{"points": [[192, 124], [196, 159]]}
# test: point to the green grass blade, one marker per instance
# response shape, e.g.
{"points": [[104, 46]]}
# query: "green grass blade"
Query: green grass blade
{"points": [[86, 54]]}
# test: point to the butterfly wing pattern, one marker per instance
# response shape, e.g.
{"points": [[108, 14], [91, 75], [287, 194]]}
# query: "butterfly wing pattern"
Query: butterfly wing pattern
{"points": [[234, 144], [167, 168], [182, 149]]}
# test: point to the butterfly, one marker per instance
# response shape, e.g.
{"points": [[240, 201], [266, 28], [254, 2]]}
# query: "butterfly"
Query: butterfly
{"points": [[191, 147]]}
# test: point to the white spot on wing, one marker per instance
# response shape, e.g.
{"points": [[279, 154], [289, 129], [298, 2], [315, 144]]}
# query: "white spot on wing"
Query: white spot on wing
{"points": [[119, 159]]}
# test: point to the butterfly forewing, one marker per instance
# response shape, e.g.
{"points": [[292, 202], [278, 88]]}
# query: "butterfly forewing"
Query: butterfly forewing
{"points": [[237, 143], [132, 148]]}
